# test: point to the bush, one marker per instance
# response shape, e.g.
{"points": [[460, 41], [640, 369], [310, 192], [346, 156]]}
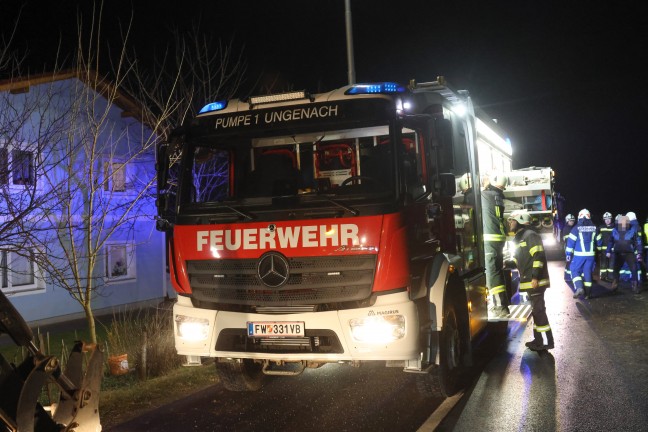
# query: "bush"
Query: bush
{"points": [[128, 332]]}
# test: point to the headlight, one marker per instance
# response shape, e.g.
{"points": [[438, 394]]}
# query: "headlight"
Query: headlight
{"points": [[378, 329], [192, 329]]}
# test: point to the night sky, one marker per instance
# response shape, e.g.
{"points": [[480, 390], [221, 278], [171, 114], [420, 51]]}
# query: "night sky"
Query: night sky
{"points": [[567, 81]]}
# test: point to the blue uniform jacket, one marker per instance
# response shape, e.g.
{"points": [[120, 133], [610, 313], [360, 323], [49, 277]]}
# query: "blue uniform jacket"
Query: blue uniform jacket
{"points": [[582, 239]]}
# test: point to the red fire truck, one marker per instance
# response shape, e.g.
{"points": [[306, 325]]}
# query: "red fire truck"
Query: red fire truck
{"points": [[306, 229]]}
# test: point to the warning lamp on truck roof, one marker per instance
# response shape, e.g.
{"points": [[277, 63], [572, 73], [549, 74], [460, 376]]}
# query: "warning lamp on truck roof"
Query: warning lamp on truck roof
{"points": [[279, 97], [375, 88], [214, 106]]}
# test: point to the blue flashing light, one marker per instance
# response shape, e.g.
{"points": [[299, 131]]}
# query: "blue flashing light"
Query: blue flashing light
{"points": [[375, 88], [214, 106]]}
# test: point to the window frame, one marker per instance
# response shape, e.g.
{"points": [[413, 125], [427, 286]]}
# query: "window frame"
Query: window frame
{"points": [[109, 174], [130, 257], [8, 153], [6, 274]]}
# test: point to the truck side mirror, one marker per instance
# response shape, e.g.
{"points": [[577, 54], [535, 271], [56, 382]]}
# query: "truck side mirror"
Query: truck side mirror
{"points": [[166, 192], [446, 185], [444, 143], [162, 170], [162, 165], [443, 132]]}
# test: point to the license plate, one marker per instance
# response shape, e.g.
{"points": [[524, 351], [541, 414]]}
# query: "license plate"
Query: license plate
{"points": [[264, 329]]}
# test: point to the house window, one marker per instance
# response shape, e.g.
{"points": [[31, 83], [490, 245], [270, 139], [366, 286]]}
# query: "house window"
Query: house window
{"points": [[16, 167], [115, 177], [22, 167], [17, 272], [4, 166], [120, 261]]}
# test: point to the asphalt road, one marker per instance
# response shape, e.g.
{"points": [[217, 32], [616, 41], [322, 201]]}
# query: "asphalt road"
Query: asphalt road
{"points": [[596, 379], [332, 398]]}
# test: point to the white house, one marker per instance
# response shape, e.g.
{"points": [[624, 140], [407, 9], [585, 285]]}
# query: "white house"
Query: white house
{"points": [[77, 194]]}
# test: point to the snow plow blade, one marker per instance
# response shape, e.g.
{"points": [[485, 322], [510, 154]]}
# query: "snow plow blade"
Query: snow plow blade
{"points": [[21, 386]]}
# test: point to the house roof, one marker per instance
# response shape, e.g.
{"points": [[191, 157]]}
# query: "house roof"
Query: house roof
{"points": [[129, 105]]}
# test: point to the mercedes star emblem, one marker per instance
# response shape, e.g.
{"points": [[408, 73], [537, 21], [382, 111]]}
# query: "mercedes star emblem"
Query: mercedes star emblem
{"points": [[273, 269]]}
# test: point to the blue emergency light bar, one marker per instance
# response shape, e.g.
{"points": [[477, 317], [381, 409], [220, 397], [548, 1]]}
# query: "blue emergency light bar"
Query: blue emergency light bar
{"points": [[375, 88], [214, 106]]}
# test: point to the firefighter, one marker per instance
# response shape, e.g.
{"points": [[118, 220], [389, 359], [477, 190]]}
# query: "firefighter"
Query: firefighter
{"points": [[634, 223], [581, 252], [492, 200], [623, 244], [531, 262], [603, 238], [570, 220], [645, 250], [466, 187]]}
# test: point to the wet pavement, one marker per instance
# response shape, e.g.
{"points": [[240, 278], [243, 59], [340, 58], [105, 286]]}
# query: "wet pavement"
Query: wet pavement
{"points": [[596, 378]]}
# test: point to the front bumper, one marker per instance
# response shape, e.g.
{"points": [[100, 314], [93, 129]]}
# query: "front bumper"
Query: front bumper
{"points": [[218, 327]]}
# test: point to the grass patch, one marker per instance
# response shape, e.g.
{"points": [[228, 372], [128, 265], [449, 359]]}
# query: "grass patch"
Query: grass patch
{"points": [[58, 344], [146, 335], [133, 397]]}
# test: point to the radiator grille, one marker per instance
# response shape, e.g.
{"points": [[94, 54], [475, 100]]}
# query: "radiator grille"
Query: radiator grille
{"points": [[313, 280]]}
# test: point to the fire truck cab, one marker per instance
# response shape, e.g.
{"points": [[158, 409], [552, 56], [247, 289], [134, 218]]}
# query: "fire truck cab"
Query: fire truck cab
{"points": [[306, 229]]}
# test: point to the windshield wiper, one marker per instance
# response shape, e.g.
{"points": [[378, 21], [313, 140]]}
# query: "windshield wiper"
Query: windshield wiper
{"points": [[245, 215], [351, 210]]}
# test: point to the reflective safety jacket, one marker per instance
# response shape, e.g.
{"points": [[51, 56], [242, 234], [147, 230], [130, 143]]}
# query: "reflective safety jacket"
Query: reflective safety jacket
{"points": [[645, 236], [492, 200], [530, 259], [565, 233], [582, 239], [603, 237], [639, 237]]}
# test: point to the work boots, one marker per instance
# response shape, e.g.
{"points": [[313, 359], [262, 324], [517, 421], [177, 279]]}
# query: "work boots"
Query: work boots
{"points": [[635, 287], [615, 284], [579, 292], [537, 344], [550, 340]]}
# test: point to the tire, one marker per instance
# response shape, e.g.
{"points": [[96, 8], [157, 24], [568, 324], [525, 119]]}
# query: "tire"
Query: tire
{"points": [[448, 378], [245, 375]]}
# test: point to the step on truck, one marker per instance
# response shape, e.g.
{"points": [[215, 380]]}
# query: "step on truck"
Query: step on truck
{"points": [[306, 229]]}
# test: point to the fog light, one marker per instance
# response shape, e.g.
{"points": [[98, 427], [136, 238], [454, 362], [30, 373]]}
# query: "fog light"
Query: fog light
{"points": [[378, 329], [192, 329]]}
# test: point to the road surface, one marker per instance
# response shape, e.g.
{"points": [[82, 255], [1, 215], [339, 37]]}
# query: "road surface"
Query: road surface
{"points": [[596, 379]]}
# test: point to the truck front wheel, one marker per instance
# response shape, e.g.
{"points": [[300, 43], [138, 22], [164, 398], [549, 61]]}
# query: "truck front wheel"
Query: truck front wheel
{"points": [[448, 377], [243, 375]]}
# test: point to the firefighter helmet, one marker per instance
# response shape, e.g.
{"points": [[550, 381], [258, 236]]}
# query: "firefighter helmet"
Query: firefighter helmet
{"points": [[521, 216], [570, 217], [631, 216], [584, 214], [607, 215], [498, 180], [465, 182]]}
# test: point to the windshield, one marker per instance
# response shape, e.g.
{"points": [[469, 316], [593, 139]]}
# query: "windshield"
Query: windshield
{"points": [[338, 164]]}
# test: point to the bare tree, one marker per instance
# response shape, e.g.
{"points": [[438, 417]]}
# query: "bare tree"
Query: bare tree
{"points": [[27, 123], [191, 72], [94, 169], [93, 159]]}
